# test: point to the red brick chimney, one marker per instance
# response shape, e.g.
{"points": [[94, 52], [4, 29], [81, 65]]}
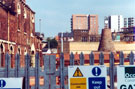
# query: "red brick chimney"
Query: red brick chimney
{"points": [[106, 43]]}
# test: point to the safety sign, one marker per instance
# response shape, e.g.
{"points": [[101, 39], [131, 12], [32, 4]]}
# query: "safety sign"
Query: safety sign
{"points": [[97, 83], [96, 71], [87, 77], [78, 83], [126, 77], [11, 83], [78, 73]]}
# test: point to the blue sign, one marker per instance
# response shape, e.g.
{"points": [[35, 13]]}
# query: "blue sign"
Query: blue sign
{"points": [[96, 71], [2, 83], [10, 88], [11, 83], [97, 83]]}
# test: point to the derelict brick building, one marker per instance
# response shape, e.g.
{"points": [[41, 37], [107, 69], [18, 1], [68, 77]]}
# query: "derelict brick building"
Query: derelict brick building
{"points": [[17, 31]]}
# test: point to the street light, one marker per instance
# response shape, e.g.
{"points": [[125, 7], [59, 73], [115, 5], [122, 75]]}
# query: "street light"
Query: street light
{"points": [[40, 25], [61, 42]]}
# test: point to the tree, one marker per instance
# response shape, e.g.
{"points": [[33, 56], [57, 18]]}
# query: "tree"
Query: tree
{"points": [[51, 43]]}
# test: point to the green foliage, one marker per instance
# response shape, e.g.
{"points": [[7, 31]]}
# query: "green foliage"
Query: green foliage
{"points": [[51, 43]]}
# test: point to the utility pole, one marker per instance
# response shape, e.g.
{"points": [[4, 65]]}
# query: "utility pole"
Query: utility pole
{"points": [[8, 29], [40, 25], [61, 42], [39, 34]]}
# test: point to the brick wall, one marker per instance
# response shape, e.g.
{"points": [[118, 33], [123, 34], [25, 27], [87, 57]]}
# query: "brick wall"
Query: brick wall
{"points": [[87, 47], [21, 31], [81, 35], [3, 24]]}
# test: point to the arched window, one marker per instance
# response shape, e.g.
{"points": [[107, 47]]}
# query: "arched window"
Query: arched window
{"points": [[25, 13], [32, 18], [1, 47], [25, 51], [12, 55], [32, 58], [11, 50], [19, 50], [18, 8], [32, 52], [1, 55]]}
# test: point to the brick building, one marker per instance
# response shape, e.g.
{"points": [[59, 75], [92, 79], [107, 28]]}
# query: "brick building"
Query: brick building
{"points": [[84, 27], [67, 38], [17, 31], [79, 22], [128, 34]]}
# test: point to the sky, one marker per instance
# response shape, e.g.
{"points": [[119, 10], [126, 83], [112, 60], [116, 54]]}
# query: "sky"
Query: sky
{"points": [[56, 15]]}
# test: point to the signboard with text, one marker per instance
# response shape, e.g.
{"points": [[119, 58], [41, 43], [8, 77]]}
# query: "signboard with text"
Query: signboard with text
{"points": [[126, 77], [11, 83], [87, 77]]}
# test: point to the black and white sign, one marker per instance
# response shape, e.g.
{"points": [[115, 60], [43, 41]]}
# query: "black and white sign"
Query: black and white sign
{"points": [[126, 77]]}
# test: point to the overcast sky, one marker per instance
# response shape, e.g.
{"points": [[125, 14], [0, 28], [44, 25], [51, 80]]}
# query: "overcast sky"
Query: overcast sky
{"points": [[55, 15]]}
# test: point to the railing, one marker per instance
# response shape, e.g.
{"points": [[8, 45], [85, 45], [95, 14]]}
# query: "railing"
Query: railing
{"points": [[49, 71], [111, 70], [29, 71]]}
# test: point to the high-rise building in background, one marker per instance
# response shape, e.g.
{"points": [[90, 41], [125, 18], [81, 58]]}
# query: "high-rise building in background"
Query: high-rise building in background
{"points": [[79, 22], [131, 22], [125, 22], [85, 22], [93, 24], [83, 26], [129, 29], [116, 23]]}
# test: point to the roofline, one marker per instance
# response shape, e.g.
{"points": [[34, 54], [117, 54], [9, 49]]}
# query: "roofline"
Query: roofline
{"points": [[128, 27], [7, 9], [1, 4], [27, 6]]}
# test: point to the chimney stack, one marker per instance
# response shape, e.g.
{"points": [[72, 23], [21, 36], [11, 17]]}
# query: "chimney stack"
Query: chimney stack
{"points": [[106, 43]]}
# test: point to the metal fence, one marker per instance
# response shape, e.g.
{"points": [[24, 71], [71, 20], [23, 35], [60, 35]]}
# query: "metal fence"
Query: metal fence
{"points": [[50, 72], [29, 71], [111, 70]]}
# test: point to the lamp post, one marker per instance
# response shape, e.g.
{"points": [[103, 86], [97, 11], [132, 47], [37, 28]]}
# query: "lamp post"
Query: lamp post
{"points": [[40, 25], [61, 42]]}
